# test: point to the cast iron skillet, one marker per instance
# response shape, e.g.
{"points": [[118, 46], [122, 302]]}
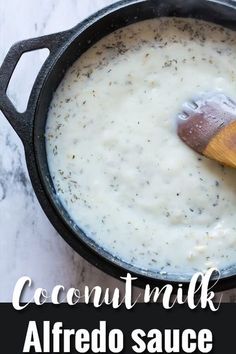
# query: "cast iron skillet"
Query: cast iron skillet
{"points": [[65, 48]]}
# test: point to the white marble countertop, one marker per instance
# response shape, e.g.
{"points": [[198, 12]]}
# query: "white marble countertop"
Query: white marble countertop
{"points": [[28, 243]]}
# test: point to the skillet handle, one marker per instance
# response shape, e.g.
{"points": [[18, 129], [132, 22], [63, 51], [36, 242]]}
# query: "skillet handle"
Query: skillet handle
{"points": [[23, 122]]}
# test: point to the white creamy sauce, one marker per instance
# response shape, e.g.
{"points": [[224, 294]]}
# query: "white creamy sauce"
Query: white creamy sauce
{"points": [[118, 166]]}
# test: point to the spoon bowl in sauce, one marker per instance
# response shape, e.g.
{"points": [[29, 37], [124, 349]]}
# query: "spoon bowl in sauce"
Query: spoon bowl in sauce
{"points": [[208, 126]]}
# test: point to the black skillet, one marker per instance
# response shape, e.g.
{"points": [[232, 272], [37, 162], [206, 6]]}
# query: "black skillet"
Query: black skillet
{"points": [[65, 48]]}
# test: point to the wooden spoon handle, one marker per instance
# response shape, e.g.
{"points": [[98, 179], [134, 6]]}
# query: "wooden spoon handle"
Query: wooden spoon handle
{"points": [[222, 146]]}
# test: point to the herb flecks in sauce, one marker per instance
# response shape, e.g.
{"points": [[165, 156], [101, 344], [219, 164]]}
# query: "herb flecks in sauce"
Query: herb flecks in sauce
{"points": [[114, 155]]}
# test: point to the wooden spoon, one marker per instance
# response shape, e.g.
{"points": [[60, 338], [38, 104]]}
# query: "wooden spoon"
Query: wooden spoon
{"points": [[208, 126]]}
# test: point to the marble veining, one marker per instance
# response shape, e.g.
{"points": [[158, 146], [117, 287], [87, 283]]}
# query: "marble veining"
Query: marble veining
{"points": [[29, 245]]}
